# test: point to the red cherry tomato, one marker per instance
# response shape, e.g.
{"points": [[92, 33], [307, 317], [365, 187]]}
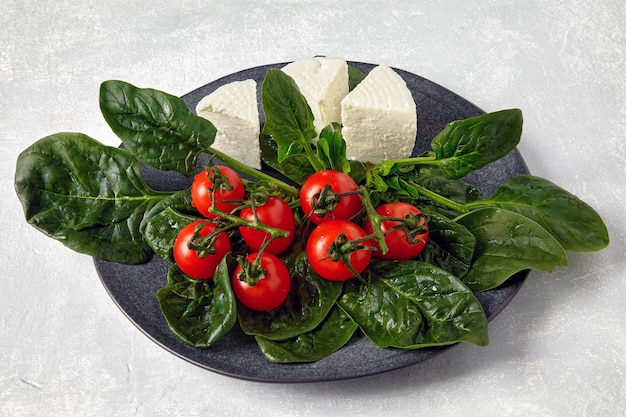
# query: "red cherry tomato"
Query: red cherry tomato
{"points": [[274, 213], [398, 244], [319, 250], [202, 191], [188, 260], [345, 208], [270, 291]]}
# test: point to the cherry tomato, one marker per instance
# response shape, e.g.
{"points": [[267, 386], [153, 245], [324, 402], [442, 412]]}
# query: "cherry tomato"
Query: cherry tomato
{"points": [[397, 240], [270, 291], [202, 191], [274, 213], [321, 251], [343, 209], [189, 261]]}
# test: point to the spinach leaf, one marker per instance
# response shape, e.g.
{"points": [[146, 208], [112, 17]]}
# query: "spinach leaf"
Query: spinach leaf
{"points": [[327, 338], [412, 304], [355, 76], [450, 245], [296, 167], [393, 182], [179, 201], [288, 117], [433, 178], [165, 219], [576, 225], [308, 303], [357, 171], [387, 182], [199, 312], [162, 228], [155, 126], [331, 149], [466, 145], [88, 196], [507, 243], [269, 151]]}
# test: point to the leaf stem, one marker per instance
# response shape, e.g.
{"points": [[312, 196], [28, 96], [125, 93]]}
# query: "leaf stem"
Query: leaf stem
{"points": [[254, 173], [417, 160], [463, 208], [313, 159]]}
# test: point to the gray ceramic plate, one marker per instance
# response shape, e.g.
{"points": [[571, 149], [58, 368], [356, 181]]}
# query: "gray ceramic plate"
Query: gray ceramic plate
{"points": [[133, 287]]}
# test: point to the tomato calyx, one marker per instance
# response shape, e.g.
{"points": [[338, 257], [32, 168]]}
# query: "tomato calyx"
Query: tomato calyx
{"points": [[219, 180], [204, 245], [414, 225], [216, 189], [199, 247], [326, 200], [339, 250], [251, 273], [342, 247], [258, 199]]}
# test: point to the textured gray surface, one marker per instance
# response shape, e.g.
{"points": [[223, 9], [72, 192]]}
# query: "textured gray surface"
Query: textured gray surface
{"points": [[556, 350]]}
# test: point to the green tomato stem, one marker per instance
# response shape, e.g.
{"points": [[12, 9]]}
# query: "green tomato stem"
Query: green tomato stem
{"points": [[375, 219], [236, 221]]}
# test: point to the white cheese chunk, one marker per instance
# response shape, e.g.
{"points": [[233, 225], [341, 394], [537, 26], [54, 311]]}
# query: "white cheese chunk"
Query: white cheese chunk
{"points": [[324, 83], [379, 118], [232, 108]]}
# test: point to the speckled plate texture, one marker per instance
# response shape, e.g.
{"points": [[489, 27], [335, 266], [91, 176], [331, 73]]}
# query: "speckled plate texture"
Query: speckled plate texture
{"points": [[133, 287]]}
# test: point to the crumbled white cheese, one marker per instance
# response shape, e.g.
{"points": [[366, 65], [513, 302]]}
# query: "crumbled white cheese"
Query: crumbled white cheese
{"points": [[324, 83], [379, 118], [232, 108]]}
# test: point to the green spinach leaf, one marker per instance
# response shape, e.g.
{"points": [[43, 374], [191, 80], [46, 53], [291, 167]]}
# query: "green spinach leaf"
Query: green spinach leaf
{"points": [[331, 149], [466, 145], [327, 338], [88, 196], [179, 201], [155, 126], [576, 225], [165, 219], [199, 312], [288, 117], [433, 178], [412, 304], [269, 151], [450, 245], [507, 243], [355, 76], [395, 182], [162, 228], [296, 167]]}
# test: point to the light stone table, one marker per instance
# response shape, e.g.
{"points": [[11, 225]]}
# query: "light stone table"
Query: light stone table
{"points": [[558, 349]]}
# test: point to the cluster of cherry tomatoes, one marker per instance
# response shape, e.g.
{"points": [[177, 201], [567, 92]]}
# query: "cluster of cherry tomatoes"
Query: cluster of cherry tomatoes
{"points": [[337, 248]]}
